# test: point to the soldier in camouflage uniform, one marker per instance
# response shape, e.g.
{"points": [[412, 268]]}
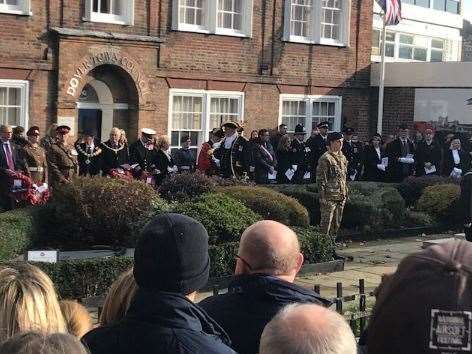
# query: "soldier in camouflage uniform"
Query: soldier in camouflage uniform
{"points": [[62, 159], [331, 180]]}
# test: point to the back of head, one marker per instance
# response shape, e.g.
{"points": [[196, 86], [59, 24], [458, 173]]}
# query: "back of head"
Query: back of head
{"points": [[172, 255], [118, 298], [40, 343], [426, 306], [272, 248], [77, 318], [28, 301], [307, 329]]}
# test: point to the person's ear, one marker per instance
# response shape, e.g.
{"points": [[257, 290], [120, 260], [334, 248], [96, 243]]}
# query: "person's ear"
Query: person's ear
{"points": [[299, 263]]}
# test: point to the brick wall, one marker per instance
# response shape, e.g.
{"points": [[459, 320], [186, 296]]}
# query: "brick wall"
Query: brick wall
{"points": [[191, 60]]}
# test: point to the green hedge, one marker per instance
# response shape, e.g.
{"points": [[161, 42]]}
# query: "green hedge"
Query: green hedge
{"points": [[442, 202], [412, 188], [16, 228], [92, 277], [270, 204], [305, 196], [185, 186], [224, 217], [96, 211]]}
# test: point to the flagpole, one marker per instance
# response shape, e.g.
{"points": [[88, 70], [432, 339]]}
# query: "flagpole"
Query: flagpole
{"points": [[382, 79]]}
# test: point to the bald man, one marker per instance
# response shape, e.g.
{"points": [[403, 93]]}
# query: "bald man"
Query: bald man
{"points": [[267, 263], [307, 329]]}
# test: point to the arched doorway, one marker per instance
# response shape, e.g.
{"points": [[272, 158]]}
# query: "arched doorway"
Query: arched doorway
{"points": [[108, 99]]}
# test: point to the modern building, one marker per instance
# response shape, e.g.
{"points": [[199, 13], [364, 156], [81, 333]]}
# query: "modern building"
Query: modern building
{"points": [[184, 66], [430, 31], [467, 41]]}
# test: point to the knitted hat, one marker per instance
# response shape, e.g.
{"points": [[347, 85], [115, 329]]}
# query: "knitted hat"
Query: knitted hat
{"points": [[426, 306], [172, 255]]}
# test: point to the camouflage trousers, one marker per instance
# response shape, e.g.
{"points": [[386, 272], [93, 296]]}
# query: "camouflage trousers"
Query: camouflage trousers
{"points": [[331, 216]]}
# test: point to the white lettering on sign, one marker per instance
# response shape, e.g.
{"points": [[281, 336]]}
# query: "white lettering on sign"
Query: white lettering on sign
{"points": [[108, 57]]}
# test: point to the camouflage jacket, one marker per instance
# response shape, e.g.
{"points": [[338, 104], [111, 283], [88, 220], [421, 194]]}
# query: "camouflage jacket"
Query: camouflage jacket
{"points": [[331, 176]]}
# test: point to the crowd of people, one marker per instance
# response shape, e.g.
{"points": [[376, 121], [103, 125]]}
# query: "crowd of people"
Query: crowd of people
{"points": [[266, 157], [423, 307]]}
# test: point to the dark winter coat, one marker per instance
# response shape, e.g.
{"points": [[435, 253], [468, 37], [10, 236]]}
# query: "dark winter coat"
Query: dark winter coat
{"points": [[264, 159], [251, 302], [160, 323]]}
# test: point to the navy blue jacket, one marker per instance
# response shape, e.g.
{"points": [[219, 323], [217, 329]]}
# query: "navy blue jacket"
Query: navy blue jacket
{"points": [[251, 302], [160, 323]]}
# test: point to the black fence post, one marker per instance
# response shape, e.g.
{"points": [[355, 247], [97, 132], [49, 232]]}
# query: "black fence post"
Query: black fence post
{"points": [[317, 289], [339, 298], [362, 303], [215, 290]]}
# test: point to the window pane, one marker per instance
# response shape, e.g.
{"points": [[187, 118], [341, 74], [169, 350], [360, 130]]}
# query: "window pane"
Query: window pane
{"points": [[423, 3], [375, 38], [105, 6], [406, 52], [117, 7], [408, 1], [14, 96], [440, 5], [174, 138], [95, 5], [420, 54], [3, 96], [436, 55], [13, 2], [437, 43], [3, 115], [389, 50], [406, 39], [300, 13], [316, 108], [331, 109], [237, 22], [191, 12], [13, 116], [452, 6], [390, 36]]}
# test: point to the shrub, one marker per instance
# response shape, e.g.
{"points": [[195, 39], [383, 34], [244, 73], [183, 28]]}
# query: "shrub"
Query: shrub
{"points": [[229, 182], [16, 227], [270, 204], [185, 186], [412, 187], [224, 217], [442, 202], [308, 199], [91, 211], [418, 218], [316, 247]]}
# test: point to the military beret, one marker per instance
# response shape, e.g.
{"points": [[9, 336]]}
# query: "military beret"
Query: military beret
{"points": [[323, 125], [334, 136], [300, 129], [63, 129], [33, 131]]}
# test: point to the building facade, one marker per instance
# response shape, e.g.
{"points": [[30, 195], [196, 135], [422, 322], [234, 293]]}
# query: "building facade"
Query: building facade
{"points": [[430, 31], [183, 67], [467, 41]]}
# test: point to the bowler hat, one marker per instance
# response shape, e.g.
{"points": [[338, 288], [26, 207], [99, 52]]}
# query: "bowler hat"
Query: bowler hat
{"points": [[299, 129], [172, 255]]}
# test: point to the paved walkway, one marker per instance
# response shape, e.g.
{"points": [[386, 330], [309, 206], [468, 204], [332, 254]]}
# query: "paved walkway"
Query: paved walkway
{"points": [[370, 261]]}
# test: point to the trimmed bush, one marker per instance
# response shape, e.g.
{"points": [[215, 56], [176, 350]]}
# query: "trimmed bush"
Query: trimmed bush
{"points": [[270, 204], [229, 182], [316, 247], [412, 187], [224, 217], [16, 228], [442, 202], [91, 211], [76, 279], [418, 219], [185, 186], [308, 199]]}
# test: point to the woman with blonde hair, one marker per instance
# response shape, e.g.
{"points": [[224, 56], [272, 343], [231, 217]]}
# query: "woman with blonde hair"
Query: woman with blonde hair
{"points": [[164, 162], [114, 151], [40, 343], [28, 301], [118, 298], [78, 320]]}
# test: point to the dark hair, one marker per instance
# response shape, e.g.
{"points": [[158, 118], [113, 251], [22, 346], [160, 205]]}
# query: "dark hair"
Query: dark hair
{"points": [[184, 139], [262, 132], [282, 125]]}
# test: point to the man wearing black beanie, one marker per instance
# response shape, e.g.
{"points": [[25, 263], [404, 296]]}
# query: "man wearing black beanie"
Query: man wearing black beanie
{"points": [[171, 263]]}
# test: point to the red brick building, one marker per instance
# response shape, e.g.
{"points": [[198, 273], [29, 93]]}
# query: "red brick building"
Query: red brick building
{"points": [[184, 66]]}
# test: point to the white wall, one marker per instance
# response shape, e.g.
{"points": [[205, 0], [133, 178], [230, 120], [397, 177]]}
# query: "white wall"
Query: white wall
{"points": [[452, 103]]}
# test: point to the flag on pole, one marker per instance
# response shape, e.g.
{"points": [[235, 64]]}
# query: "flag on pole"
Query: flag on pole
{"points": [[392, 10]]}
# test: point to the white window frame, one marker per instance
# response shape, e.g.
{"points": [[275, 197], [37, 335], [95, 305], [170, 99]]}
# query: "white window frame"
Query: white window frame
{"points": [[314, 30], [23, 8], [210, 20], [309, 99], [127, 18], [206, 96], [23, 85]]}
